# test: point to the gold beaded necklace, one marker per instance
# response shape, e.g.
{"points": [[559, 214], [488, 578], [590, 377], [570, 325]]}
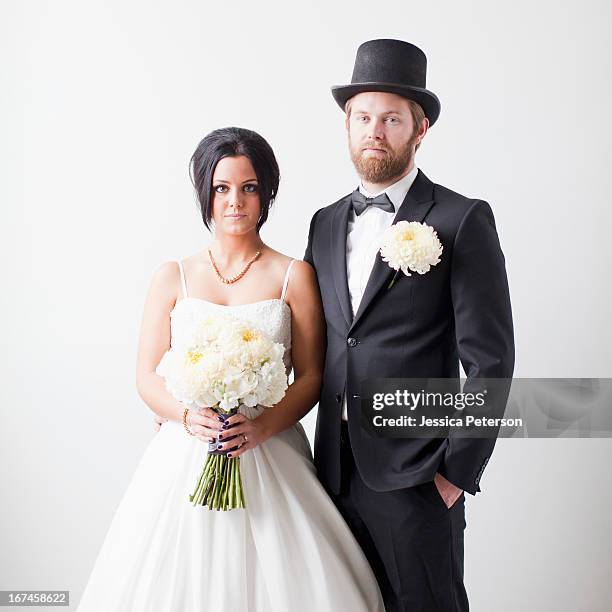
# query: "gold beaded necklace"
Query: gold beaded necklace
{"points": [[237, 277]]}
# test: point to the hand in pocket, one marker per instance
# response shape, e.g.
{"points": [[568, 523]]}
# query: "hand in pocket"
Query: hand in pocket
{"points": [[447, 490]]}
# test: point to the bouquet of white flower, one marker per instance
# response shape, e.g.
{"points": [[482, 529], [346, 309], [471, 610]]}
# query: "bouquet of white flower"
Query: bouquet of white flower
{"points": [[228, 363]]}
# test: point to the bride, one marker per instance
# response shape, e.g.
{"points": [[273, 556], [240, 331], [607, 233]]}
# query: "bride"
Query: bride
{"points": [[288, 550]]}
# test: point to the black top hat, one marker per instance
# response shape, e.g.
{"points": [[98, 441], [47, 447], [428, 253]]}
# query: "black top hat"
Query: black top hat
{"points": [[393, 66]]}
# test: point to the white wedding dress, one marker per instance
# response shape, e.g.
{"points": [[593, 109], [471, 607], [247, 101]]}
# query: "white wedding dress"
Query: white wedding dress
{"points": [[289, 550]]}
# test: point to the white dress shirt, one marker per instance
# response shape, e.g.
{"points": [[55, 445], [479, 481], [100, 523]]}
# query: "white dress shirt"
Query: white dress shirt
{"points": [[364, 234]]}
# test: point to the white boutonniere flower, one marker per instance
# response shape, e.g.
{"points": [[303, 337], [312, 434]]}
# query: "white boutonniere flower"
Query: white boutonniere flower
{"points": [[410, 245]]}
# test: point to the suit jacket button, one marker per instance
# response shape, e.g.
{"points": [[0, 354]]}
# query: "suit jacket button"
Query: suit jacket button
{"points": [[352, 342]]}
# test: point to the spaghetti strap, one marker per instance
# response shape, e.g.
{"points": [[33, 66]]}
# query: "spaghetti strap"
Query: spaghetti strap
{"points": [[286, 280], [183, 283]]}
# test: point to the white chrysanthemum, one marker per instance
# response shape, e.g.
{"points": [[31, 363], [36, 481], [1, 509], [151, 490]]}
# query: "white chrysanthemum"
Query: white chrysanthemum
{"points": [[411, 245], [184, 371], [210, 329], [228, 363]]}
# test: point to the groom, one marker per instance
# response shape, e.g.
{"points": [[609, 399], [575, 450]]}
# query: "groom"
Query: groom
{"points": [[403, 498]]}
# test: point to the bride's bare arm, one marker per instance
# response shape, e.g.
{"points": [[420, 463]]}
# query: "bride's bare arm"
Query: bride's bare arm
{"points": [[154, 341], [308, 354]]}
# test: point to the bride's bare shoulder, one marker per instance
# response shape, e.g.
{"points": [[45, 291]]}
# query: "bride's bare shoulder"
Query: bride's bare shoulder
{"points": [[274, 261], [301, 271], [281, 258], [167, 272], [300, 268], [166, 280]]}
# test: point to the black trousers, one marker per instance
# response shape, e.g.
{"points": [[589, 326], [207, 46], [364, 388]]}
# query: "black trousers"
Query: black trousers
{"points": [[413, 542]]}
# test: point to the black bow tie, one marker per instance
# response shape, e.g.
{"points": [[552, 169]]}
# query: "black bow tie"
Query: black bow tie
{"points": [[360, 202]]}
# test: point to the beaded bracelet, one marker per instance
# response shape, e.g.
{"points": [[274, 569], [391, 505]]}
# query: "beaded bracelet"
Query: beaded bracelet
{"points": [[185, 422]]}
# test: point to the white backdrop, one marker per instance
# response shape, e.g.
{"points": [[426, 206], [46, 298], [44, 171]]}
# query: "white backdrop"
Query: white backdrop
{"points": [[102, 103]]}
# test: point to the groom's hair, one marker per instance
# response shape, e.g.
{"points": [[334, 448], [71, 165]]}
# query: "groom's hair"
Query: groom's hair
{"points": [[232, 142], [416, 110]]}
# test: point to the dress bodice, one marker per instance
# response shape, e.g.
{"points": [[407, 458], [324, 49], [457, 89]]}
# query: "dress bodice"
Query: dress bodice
{"points": [[273, 317]]}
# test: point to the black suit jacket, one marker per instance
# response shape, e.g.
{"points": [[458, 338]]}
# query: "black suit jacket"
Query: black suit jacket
{"points": [[421, 328]]}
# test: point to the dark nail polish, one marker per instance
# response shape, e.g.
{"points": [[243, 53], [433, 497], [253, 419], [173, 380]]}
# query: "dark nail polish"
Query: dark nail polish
{"points": [[221, 419], [229, 455], [220, 436], [219, 446]]}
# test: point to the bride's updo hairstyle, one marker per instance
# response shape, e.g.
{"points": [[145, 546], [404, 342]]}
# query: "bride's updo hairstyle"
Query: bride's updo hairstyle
{"points": [[233, 142]]}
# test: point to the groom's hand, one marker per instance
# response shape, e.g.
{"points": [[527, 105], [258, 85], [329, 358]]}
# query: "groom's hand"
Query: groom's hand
{"points": [[448, 491]]}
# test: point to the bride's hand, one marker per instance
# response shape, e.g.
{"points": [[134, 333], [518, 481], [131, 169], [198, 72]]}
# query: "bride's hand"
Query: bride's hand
{"points": [[249, 433], [204, 423]]}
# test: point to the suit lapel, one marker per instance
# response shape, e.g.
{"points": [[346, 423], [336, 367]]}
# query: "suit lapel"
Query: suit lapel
{"points": [[338, 256], [415, 207]]}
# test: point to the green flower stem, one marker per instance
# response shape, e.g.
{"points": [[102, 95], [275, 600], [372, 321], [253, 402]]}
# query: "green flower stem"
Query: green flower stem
{"points": [[393, 279], [220, 484], [232, 485]]}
